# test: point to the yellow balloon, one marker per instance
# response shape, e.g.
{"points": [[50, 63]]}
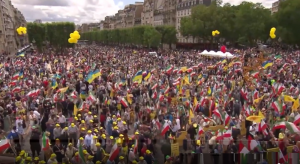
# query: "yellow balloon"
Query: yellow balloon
{"points": [[213, 33], [70, 40], [75, 41], [76, 32], [72, 35], [76, 36]]}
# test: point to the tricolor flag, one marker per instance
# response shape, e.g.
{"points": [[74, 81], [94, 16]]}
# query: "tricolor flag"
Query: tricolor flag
{"points": [[243, 153], [114, 152], [16, 76], [81, 154], [165, 128], [124, 103], [45, 142], [278, 107], [4, 144], [169, 69], [16, 89]]}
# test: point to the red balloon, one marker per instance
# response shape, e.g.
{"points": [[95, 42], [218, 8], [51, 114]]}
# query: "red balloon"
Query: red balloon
{"points": [[223, 49]]}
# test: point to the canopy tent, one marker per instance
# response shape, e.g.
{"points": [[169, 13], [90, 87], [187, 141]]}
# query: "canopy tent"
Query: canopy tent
{"points": [[218, 54]]}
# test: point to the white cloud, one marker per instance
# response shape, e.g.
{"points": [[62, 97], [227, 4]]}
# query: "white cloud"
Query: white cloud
{"points": [[80, 11]]}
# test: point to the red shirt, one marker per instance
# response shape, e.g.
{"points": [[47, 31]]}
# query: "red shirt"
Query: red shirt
{"points": [[143, 151], [45, 83]]}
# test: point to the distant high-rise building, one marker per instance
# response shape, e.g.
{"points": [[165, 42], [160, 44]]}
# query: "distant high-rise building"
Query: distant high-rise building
{"points": [[37, 21]]}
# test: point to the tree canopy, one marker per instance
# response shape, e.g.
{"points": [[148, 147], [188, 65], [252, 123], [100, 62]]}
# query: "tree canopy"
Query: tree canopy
{"points": [[139, 35], [56, 34], [245, 23]]}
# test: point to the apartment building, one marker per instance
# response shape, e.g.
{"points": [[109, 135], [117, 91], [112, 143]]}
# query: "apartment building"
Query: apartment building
{"points": [[164, 12], [275, 6], [133, 14], [147, 16], [10, 19], [120, 19], [184, 9], [103, 25]]}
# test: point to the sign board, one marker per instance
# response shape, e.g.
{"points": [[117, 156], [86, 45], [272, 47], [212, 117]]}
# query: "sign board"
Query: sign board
{"points": [[174, 149]]}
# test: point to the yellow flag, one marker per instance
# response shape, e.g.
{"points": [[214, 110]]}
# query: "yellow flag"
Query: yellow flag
{"points": [[187, 93], [191, 115], [288, 98], [259, 99], [129, 99], [195, 101], [75, 110], [296, 105], [261, 115]]}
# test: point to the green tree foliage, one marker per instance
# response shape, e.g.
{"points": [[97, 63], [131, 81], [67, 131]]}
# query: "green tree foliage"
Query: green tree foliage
{"points": [[288, 21], [37, 33], [139, 35], [56, 33]]}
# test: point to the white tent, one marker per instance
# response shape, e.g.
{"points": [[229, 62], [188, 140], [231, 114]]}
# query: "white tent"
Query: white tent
{"points": [[216, 54]]}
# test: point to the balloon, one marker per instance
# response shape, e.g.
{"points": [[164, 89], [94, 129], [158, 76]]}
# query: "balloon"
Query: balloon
{"points": [[273, 29], [223, 49], [76, 36], [75, 41], [217, 32], [70, 40], [72, 35], [213, 33], [76, 32]]}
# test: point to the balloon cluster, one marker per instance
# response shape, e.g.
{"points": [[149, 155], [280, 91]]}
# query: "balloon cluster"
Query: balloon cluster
{"points": [[74, 37], [214, 33], [22, 30], [272, 33]]}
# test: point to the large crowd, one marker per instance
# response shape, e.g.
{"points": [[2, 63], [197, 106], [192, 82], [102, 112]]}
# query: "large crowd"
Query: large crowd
{"points": [[113, 105]]}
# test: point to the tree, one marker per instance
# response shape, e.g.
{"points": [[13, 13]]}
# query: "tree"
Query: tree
{"points": [[36, 33], [56, 34], [168, 34], [288, 21], [151, 37]]}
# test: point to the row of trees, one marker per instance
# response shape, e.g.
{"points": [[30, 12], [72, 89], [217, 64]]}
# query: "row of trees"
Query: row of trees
{"points": [[139, 35], [55, 34], [245, 23]]}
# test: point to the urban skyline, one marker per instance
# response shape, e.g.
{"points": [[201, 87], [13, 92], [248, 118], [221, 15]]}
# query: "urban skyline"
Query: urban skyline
{"points": [[85, 11]]}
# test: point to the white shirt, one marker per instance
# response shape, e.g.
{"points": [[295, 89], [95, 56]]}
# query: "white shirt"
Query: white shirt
{"points": [[37, 114], [62, 119], [252, 130], [17, 123], [88, 118]]}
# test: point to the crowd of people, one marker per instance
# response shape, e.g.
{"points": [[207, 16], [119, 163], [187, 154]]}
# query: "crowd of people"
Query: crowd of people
{"points": [[113, 105]]}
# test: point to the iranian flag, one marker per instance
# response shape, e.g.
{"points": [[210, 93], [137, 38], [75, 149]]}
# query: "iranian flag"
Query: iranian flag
{"points": [[278, 107], [154, 95], [124, 102], [81, 154], [252, 144], [165, 128], [161, 97], [255, 95], [189, 70], [176, 83], [33, 93], [114, 152], [228, 133], [226, 119], [16, 76], [262, 127], [297, 119], [92, 97], [169, 69], [154, 86], [243, 152], [217, 113], [292, 127], [200, 131], [4, 144], [45, 142], [16, 90], [219, 135], [254, 74], [167, 90], [13, 83]]}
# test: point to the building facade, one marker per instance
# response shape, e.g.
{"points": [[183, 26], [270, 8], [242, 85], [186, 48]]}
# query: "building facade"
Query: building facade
{"points": [[184, 9], [147, 16], [10, 19]]}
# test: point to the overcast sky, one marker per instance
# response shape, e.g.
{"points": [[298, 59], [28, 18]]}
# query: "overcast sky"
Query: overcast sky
{"points": [[81, 11]]}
